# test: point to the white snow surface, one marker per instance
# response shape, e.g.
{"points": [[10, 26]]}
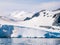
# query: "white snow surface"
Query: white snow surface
{"points": [[20, 15]]}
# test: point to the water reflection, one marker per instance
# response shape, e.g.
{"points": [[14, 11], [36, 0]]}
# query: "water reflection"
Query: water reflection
{"points": [[29, 41], [5, 41]]}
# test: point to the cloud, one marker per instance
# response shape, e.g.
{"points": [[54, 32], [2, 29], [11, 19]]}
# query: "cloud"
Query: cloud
{"points": [[48, 5]]}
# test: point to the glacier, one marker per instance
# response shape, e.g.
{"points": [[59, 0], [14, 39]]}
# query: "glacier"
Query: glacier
{"points": [[19, 32]]}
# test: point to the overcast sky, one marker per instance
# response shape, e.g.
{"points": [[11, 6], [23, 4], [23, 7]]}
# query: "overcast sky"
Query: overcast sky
{"points": [[7, 6]]}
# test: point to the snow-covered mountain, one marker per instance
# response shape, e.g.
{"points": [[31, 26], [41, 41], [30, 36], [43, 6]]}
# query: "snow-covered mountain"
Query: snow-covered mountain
{"points": [[19, 15], [30, 24]]}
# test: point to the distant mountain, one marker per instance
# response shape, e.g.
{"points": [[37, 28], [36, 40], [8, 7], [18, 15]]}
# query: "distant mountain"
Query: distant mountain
{"points": [[20, 16], [57, 9]]}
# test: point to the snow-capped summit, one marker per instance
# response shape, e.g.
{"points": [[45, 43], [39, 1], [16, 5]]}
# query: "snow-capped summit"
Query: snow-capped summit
{"points": [[46, 17], [16, 14], [57, 9], [42, 18], [20, 16]]}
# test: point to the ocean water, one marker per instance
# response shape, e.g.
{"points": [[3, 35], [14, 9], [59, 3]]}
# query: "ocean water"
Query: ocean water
{"points": [[29, 41]]}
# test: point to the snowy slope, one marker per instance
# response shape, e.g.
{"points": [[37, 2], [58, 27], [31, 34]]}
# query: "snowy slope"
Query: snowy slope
{"points": [[19, 15]]}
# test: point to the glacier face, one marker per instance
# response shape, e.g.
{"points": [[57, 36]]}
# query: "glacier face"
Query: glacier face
{"points": [[18, 31], [6, 30]]}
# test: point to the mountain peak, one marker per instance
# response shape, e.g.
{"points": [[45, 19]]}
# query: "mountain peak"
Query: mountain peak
{"points": [[57, 9]]}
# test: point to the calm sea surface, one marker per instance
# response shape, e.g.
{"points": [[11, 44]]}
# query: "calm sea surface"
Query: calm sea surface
{"points": [[29, 41]]}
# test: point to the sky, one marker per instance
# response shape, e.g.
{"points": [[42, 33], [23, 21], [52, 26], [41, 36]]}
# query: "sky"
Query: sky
{"points": [[7, 6]]}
